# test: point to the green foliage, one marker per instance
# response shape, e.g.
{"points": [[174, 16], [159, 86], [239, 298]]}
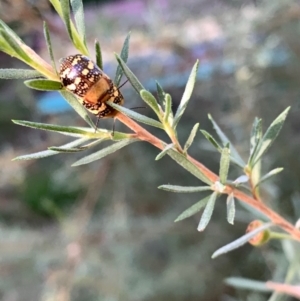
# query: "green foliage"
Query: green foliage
{"points": [[49, 45], [44, 77], [78, 107], [99, 61], [136, 116], [160, 93], [77, 36], [151, 101], [268, 138], [124, 56], [235, 156], [241, 241], [208, 211], [19, 73], [186, 95], [164, 151], [193, 209], [230, 208], [129, 74], [270, 174], [188, 165], [104, 152], [48, 153], [11, 44], [247, 284], [43, 84], [168, 109], [77, 8], [224, 164], [184, 189], [191, 137]]}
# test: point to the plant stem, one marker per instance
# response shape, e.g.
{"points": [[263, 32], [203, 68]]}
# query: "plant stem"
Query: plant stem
{"points": [[278, 235], [274, 217]]}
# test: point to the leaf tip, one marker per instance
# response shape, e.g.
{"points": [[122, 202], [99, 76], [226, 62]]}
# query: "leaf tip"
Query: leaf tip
{"points": [[213, 256], [200, 229]]}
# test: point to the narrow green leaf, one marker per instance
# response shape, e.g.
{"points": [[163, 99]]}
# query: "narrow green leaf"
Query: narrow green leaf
{"points": [[43, 84], [65, 7], [136, 116], [65, 130], [186, 164], [255, 173], [230, 208], [34, 156], [256, 135], [186, 95], [116, 136], [104, 152], [4, 46], [124, 57], [215, 144], [240, 241], [78, 107], [16, 50], [270, 135], [191, 137], [224, 164], [131, 77], [14, 46], [164, 151], [269, 175], [193, 209], [48, 153], [160, 93], [10, 31], [207, 213], [168, 109], [77, 8], [184, 189], [212, 140], [63, 149], [19, 74], [235, 155], [66, 150], [151, 101], [240, 180], [49, 45], [243, 283], [98, 52]]}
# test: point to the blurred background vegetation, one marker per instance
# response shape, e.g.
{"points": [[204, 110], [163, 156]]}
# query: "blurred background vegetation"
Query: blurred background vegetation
{"points": [[104, 231]]}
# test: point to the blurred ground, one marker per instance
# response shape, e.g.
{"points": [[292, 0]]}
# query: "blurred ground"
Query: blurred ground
{"points": [[104, 231]]}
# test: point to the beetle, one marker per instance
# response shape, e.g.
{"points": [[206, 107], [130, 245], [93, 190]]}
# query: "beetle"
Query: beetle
{"points": [[81, 76]]}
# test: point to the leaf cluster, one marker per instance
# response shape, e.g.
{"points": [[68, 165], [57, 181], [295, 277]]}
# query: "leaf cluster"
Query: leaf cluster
{"points": [[166, 120], [44, 76]]}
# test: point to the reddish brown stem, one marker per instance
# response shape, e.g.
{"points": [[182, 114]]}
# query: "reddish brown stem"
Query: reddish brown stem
{"points": [[274, 217]]}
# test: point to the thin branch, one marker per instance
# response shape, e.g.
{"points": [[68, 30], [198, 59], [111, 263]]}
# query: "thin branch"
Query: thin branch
{"points": [[274, 217]]}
